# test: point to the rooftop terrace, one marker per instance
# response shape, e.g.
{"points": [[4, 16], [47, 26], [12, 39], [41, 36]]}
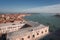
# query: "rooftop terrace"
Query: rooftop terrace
{"points": [[11, 24], [24, 31]]}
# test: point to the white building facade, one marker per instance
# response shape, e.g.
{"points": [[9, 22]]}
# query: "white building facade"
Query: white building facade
{"points": [[10, 27], [30, 33]]}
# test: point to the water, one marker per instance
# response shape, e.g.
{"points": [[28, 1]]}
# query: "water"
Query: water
{"points": [[45, 18], [51, 20]]}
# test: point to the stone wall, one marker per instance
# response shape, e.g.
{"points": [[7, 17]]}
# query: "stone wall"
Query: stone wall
{"points": [[34, 35]]}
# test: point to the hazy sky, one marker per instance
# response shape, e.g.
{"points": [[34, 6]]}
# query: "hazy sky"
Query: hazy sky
{"points": [[45, 6]]}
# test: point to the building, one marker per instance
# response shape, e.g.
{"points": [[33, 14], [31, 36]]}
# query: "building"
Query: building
{"points": [[10, 27], [16, 28], [6, 18], [30, 33], [11, 22]]}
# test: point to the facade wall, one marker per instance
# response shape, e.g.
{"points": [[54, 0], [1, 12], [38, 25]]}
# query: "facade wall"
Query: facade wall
{"points": [[41, 32], [8, 29], [34, 34]]}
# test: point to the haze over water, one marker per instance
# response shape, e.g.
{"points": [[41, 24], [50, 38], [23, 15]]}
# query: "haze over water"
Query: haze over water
{"points": [[45, 18], [51, 20]]}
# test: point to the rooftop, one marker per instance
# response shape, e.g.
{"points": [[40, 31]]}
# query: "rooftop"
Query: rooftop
{"points": [[24, 31], [33, 24], [10, 24]]}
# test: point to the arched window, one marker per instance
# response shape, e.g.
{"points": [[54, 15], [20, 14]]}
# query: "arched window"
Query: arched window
{"points": [[45, 30], [13, 24], [37, 33], [28, 36], [42, 32], [33, 35], [22, 38]]}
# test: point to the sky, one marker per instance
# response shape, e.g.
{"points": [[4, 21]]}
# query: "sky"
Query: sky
{"points": [[30, 6]]}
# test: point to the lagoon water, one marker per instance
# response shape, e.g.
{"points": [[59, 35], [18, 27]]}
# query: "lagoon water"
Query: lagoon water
{"points": [[46, 18]]}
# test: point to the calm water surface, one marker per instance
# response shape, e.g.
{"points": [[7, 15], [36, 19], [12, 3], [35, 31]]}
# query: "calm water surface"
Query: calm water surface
{"points": [[51, 20], [45, 18]]}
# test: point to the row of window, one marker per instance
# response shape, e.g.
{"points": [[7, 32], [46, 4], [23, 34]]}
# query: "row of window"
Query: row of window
{"points": [[8, 29], [11, 27], [34, 35]]}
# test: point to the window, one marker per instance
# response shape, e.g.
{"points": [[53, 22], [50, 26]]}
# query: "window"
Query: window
{"points": [[33, 35], [13, 24], [42, 32], [45, 30], [12, 21], [22, 38], [37, 33], [0, 28], [31, 30], [28, 36]]}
